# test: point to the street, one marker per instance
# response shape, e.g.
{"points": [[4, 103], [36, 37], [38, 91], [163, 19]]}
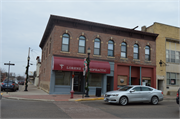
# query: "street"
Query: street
{"points": [[87, 109]]}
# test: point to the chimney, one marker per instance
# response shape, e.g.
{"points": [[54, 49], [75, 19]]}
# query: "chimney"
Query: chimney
{"points": [[143, 28]]}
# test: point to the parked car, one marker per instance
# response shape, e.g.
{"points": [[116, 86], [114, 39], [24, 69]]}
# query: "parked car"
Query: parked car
{"points": [[21, 82], [9, 85], [177, 98], [134, 93]]}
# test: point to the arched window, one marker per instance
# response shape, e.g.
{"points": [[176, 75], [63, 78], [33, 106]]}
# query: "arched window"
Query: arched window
{"points": [[147, 53], [97, 46], [123, 50], [110, 48], [82, 44], [65, 42], [136, 51]]}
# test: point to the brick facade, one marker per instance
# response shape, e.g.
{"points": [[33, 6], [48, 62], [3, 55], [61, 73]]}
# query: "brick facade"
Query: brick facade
{"points": [[57, 26]]}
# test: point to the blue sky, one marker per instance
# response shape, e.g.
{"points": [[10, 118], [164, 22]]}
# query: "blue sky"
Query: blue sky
{"points": [[23, 22]]}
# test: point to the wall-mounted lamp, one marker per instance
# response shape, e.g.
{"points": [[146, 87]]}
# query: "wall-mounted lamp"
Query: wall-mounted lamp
{"points": [[162, 63]]}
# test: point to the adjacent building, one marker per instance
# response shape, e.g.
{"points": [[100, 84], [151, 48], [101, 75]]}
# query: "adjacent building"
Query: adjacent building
{"points": [[167, 57], [119, 56]]}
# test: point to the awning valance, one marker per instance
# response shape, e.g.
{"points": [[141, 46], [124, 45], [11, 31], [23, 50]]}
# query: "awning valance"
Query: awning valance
{"points": [[73, 64]]}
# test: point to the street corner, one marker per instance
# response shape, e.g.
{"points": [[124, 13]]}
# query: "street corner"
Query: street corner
{"points": [[89, 99]]}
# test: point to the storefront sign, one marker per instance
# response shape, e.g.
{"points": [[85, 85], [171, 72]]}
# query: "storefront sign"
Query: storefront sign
{"points": [[72, 64]]}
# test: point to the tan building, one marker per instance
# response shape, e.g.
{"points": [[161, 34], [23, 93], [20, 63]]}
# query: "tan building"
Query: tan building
{"points": [[167, 57]]}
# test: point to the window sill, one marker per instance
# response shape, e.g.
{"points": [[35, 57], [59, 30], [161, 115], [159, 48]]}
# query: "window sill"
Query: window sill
{"points": [[124, 58], [147, 61], [81, 54], [110, 57], [64, 52], [97, 55], [136, 60]]}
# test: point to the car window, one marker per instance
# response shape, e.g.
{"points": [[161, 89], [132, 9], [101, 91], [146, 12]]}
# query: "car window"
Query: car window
{"points": [[125, 88], [150, 89], [137, 89], [145, 89]]}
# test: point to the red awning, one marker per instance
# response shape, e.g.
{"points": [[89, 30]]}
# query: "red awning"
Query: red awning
{"points": [[72, 64]]}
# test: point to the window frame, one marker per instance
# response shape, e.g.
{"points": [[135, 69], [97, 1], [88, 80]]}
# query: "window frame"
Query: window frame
{"points": [[112, 50], [65, 44], [82, 46], [99, 46], [149, 55], [136, 46], [122, 45]]}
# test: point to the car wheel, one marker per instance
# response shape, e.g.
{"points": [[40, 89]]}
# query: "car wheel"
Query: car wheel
{"points": [[123, 100], [154, 100]]}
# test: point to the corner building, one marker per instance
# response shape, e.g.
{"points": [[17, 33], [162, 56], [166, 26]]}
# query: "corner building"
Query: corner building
{"points": [[119, 56]]}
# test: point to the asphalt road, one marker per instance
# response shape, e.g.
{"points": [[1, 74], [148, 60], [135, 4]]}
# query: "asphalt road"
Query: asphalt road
{"points": [[90, 109]]}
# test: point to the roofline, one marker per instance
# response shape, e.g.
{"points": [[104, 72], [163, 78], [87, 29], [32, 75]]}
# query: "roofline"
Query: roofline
{"points": [[52, 18]]}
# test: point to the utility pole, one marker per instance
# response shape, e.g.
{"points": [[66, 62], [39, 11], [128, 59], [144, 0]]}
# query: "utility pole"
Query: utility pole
{"points": [[27, 70], [8, 69]]}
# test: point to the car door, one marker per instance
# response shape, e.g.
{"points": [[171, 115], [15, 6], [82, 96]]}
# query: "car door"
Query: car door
{"points": [[135, 96], [146, 93]]}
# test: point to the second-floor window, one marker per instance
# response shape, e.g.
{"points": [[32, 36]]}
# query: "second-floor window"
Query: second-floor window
{"points": [[147, 53], [65, 42], [110, 48], [97, 46], [82, 44], [123, 50], [136, 51]]}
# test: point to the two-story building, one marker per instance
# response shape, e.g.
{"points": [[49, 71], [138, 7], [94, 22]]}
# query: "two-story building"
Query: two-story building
{"points": [[168, 53], [119, 56]]}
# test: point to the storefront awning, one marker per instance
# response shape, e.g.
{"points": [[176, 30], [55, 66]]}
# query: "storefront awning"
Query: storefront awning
{"points": [[72, 64]]}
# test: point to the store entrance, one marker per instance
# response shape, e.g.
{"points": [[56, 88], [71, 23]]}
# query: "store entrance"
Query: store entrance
{"points": [[77, 82]]}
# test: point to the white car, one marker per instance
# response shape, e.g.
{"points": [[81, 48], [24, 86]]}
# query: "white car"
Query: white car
{"points": [[134, 93]]}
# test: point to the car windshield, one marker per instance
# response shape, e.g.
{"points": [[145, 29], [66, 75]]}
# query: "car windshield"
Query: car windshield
{"points": [[125, 88]]}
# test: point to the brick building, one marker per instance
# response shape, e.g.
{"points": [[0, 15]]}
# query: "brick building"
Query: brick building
{"points": [[119, 56]]}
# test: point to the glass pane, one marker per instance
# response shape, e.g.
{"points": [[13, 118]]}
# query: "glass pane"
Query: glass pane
{"points": [[95, 80], [135, 56], [147, 57], [167, 75], [147, 51], [172, 76], [123, 54], [172, 52], [144, 89], [96, 51], [65, 35], [65, 40], [81, 42], [96, 40], [62, 78], [110, 46], [82, 37], [147, 47], [135, 45], [177, 76], [137, 89], [123, 43], [65, 48], [177, 82], [111, 42], [110, 53], [135, 50], [96, 44], [81, 50], [123, 48]]}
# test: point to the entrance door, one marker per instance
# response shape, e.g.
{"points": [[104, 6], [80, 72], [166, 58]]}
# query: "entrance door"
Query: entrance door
{"points": [[109, 83], [160, 85], [77, 82]]}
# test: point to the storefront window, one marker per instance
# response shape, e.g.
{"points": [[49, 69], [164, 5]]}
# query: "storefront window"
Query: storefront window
{"points": [[173, 78], [62, 78], [95, 80]]}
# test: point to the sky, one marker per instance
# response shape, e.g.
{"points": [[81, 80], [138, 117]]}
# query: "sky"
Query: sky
{"points": [[23, 22]]}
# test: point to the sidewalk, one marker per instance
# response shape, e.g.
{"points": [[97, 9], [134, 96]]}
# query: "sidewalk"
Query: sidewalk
{"points": [[34, 93]]}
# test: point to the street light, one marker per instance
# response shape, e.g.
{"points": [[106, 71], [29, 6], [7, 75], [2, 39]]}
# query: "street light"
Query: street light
{"points": [[88, 72], [162, 63]]}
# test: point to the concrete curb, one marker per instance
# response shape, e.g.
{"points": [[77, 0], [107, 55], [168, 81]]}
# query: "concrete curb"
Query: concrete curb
{"points": [[17, 98], [88, 99]]}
